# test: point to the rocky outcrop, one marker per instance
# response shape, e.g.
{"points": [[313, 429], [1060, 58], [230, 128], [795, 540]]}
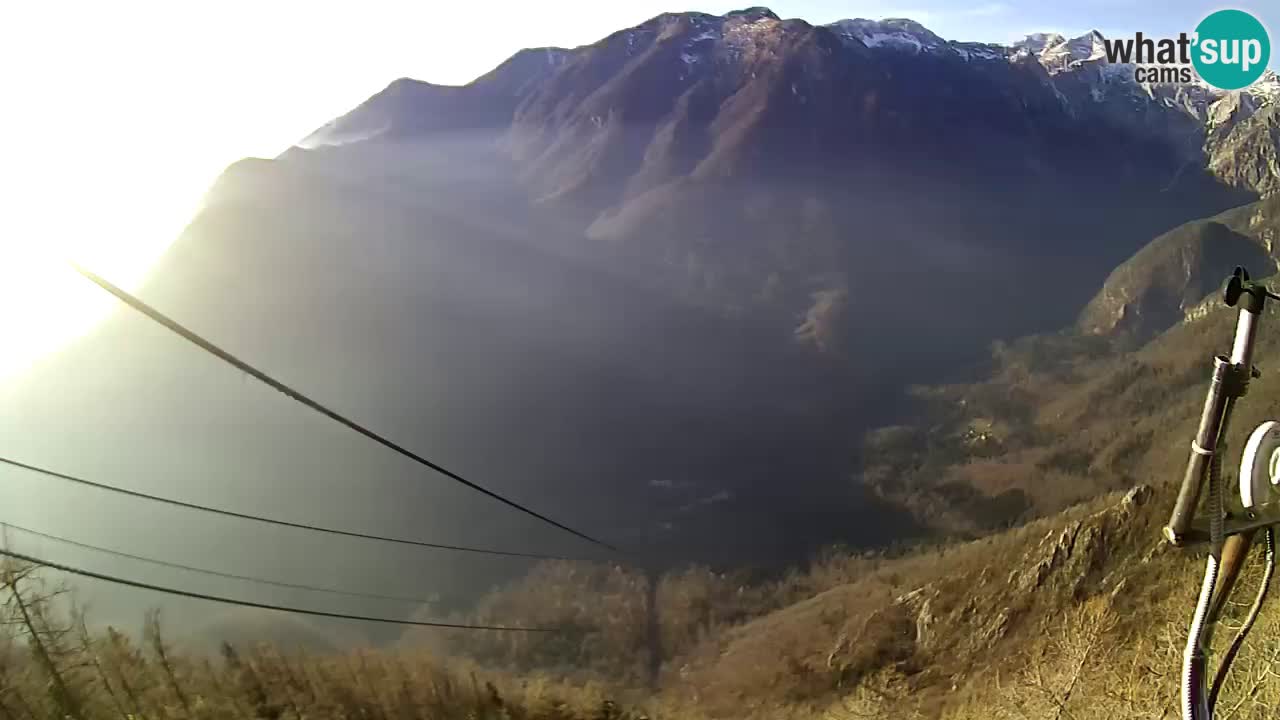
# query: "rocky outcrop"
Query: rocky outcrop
{"points": [[1066, 559], [918, 605], [1247, 154]]}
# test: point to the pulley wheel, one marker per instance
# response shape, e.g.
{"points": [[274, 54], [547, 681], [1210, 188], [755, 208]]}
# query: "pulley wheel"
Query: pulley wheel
{"points": [[1260, 466]]}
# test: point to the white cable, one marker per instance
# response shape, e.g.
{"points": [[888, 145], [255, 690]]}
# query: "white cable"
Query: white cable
{"points": [[1193, 702]]}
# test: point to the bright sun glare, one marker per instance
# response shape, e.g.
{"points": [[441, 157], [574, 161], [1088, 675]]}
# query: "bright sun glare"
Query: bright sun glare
{"points": [[108, 187], [123, 114], [43, 303], [103, 166], [127, 116], [111, 206], [120, 115]]}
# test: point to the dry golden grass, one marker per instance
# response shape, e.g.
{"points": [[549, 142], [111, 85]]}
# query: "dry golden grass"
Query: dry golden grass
{"points": [[52, 666], [1076, 616]]}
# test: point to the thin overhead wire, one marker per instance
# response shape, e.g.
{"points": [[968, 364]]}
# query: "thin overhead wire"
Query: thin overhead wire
{"points": [[205, 571], [245, 367], [261, 606], [270, 521]]}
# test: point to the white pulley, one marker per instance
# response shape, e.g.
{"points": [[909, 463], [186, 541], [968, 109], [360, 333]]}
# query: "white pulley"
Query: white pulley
{"points": [[1260, 466]]}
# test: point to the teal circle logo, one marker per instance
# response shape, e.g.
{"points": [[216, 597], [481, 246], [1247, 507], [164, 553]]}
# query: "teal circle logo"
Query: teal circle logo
{"points": [[1231, 49]]}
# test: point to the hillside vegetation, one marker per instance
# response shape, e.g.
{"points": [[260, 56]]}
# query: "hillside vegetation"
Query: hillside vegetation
{"points": [[1165, 282], [53, 666], [1077, 609], [1071, 616], [1045, 590]]}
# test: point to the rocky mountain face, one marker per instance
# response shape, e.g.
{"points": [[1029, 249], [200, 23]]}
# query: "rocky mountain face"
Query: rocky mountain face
{"points": [[691, 127], [1243, 146], [1232, 134], [667, 278], [1212, 128], [768, 167]]}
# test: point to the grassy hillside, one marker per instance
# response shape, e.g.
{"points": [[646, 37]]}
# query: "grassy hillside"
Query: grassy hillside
{"points": [[1082, 611], [53, 666]]}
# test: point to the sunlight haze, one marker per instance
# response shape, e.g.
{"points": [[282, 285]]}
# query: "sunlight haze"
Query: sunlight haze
{"points": [[126, 112]]}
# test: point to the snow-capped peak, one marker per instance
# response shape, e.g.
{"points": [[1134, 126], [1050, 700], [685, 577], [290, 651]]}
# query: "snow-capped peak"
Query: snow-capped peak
{"points": [[1035, 43], [1089, 47], [1267, 87], [902, 35], [894, 32]]}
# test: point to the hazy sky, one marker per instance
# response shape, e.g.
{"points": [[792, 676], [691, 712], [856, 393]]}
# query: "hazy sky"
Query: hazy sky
{"points": [[120, 114]]}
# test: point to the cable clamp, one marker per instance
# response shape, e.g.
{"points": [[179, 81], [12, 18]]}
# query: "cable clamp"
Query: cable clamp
{"points": [[1195, 448]]}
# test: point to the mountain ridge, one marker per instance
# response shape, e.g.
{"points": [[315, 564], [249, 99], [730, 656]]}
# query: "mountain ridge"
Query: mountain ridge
{"points": [[710, 212]]}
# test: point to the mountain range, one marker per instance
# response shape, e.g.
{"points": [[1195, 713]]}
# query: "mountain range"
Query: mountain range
{"points": [[772, 168], [666, 282]]}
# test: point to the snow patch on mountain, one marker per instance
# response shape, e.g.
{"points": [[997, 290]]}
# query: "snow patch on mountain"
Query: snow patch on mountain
{"points": [[1059, 54], [1035, 43], [1087, 54], [875, 39], [979, 51], [897, 33], [909, 36], [1267, 87]]}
